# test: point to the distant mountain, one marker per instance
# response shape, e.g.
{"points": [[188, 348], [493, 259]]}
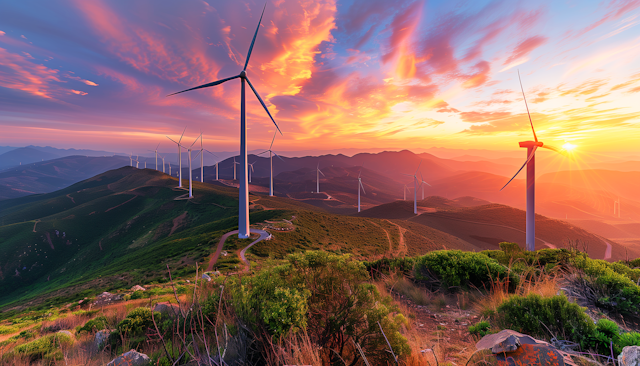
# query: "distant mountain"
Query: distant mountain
{"points": [[24, 156], [51, 175]]}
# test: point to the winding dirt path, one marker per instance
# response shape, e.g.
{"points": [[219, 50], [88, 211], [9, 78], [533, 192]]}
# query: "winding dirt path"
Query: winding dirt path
{"points": [[241, 254], [71, 198], [402, 246], [607, 252], [177, 221], [127, 201], [34, 225]]}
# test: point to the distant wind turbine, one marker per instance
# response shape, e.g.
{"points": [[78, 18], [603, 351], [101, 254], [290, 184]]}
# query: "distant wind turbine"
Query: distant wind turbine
{"points": [[179, 158], [234, 167], [191, 172], [216, 156], [156, 152], [271, 153], [318, 172], [162, 163], [404, 191], [415, 189], [250, 170], [422, 182], [360, 186], [130, 160], [137, 162], [243, 216], [530, 163], [201, 160]]}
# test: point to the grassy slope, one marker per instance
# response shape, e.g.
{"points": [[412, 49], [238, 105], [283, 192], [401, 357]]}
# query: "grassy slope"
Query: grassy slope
{"points": [[125, 226]]}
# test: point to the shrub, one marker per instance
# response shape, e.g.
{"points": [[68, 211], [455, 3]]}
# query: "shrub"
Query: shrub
{"points": [[93, 325], [47, 347], [481, 329], [458, 269], [546, 317], [135, 326]]}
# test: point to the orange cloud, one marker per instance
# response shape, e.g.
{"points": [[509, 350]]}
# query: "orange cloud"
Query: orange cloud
{"points": [[525, 48], [18, 72]]}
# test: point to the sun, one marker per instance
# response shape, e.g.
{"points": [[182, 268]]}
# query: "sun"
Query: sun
{"points": [[569, 146]]}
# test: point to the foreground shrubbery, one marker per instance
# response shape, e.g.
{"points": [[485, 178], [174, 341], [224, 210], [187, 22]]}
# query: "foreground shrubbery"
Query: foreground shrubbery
{"points": [[49, 348]]}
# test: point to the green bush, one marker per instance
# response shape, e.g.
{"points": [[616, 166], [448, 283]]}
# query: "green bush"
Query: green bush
{"points": [[458, 269], [328, 294], [617, 291], [93, 325], [48, 347], [135, 325], [557, 317], [481, 329]]}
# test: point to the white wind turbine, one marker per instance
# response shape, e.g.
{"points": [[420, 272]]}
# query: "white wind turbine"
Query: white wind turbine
{"points": [[217, 160], [530, 163], [415, 189], [234, 167], [251, 170], [243, 216], [156, 152], [162, 163], [422, 182], [130, 160], [271, 153], [360, 186], [318, 172], [137, 162], [201, 160], [179, 158], [190, 172]]}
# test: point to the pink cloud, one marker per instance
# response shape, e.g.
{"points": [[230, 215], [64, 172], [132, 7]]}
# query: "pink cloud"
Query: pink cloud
{"points": [[525, 48]]}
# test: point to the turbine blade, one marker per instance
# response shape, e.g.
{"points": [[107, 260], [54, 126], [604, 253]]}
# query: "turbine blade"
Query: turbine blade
{"points": [[418, 167], [196, 155], [185, 128], [533, 152], [264, 152], [211, 153], [195, 141], [263, 105], [279, 157], [172, 140], [526, 105], [321, 173], [206, 85], [272, 140], [362, 186], [426, 183], [158, 146], [253, 41]]}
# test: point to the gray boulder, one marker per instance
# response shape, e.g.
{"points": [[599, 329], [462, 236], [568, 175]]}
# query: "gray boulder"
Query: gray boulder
{"points": [[166, 308], [101, 338], [131, 358], [206, 277], [630, 356]]}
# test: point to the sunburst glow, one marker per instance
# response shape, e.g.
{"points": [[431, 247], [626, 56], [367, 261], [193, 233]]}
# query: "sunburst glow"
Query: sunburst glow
{"points": [[569, 146]]}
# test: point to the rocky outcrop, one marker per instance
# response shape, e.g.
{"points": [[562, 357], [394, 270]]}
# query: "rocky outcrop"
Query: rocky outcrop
{"points": [[166, 308], [630, 356], [107, 298], [510, 348], [138, 288], [131, 358]]}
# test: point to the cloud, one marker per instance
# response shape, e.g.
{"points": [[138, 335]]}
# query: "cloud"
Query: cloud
{"points": [[477, 117], [443, 107], [18, 72], [525, 48]]}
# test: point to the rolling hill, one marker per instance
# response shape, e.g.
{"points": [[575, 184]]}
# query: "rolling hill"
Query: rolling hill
{"points": [[126, 225], [486, 225]]}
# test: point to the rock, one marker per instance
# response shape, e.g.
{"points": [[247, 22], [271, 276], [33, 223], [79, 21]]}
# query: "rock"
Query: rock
{"points": [[206, 277], [107, 298], [131, 358], [510, 348], [67, 333], [505, 341], [138, 288], [101, 338], [166, 308], [630, 356]]}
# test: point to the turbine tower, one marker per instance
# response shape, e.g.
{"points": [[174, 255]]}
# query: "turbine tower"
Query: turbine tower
{"points": [[156, 152], [360, 186], [201, 160], [179, 158], [162, 163], [271, 153], [243, 215], [318, 172], [234, 167], [530, 163], [130, 160], [216, 156], [251, 170], [415, 189], [190, 171]]}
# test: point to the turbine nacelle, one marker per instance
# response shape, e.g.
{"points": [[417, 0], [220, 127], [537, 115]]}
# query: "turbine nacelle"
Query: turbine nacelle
{"points": [[243, 74]]}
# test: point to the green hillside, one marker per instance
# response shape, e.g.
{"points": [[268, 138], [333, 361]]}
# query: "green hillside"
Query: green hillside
{"points": [[124, 227]]}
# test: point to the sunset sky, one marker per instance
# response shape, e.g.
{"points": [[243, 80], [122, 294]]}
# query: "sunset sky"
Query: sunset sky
{"points": [[335, 74]]}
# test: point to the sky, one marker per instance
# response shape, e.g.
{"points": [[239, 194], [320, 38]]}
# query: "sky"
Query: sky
{"points": [[354, 74]]}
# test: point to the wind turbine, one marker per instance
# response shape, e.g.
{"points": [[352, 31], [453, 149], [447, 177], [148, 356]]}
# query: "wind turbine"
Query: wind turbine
{"points": [[360, 186], [156, 151], [404, 191], [234, 167], [415, 189], [216, 156], [190, 172], [530, 163], [137, 162], [318, 172], [130, 160], [243, 216], [201, 160], [421, 184], [162, 163], [251, 170], [179, 158], [271, 153]]}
